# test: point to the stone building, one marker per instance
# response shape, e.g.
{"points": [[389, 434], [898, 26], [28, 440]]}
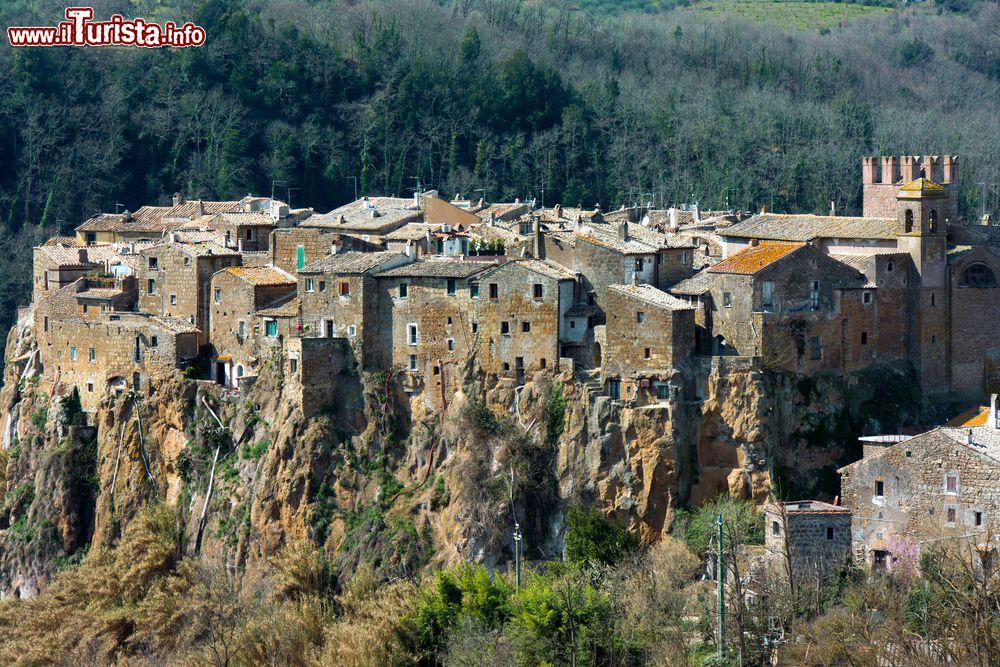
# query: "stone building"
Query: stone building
{"points": [[292, 248], [943, 483], [811, 537], [88, 337], [647, 333], [424, 326], [175, 280], [604, 260], [245, 231], [520, 317], [340, 298], [773, 299], [322, 373], [241, 331], [369, 219]]}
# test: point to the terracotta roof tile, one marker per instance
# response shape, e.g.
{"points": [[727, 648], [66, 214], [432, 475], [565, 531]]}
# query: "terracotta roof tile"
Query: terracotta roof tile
{"points": [[652, 296], [802, 227], [437, 268], [350, 262], [972, 417], [261, 275], [755, 258]]}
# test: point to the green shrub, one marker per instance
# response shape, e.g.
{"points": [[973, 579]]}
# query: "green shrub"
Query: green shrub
{"points": [[256, 450], [592, 539], [39, 417], [556, 411]]}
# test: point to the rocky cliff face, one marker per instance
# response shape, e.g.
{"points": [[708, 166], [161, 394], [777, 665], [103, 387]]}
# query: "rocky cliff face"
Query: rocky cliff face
{"points": [[401, 479]]}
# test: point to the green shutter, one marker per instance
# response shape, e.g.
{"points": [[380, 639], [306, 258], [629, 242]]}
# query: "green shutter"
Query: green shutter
{"points": [[300, 254]]}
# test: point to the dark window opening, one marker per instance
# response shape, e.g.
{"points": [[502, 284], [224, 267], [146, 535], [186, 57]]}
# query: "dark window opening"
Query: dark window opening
{"points": [[829, 532], [537, 291], [978, 276], [879, 488], [494, 291]]}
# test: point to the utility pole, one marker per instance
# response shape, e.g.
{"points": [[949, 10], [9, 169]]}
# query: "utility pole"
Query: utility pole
{"points": [[517, 535], [720, 583]]}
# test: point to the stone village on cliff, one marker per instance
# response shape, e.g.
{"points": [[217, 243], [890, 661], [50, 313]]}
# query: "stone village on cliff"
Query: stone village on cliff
{"points": [[617, 301]]}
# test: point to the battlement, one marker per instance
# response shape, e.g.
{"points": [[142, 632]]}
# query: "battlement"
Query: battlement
{"points": [[883, 176], [892, 170]]}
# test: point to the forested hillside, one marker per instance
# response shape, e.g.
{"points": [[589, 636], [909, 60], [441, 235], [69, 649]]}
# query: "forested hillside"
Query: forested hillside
{"points": [[500, 98]]}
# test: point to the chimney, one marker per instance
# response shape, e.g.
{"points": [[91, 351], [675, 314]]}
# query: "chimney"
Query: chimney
{"points": [[697, 213], [364, 202], [493, 218], [178, 199], [200, 209], [517, 200], [994, 420], [932, 168], [536, 246], [674, 224], [409, 248], [950, 170], [623, 231], [428, 241], [239, 245], [867, 170], [908, 168], [968, 436], [833, 208], [557, 211], [890, 169]]}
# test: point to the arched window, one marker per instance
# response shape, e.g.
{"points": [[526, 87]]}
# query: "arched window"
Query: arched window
{"points": [[239, 371], [888, 267], [909, 220], [978, 276], [933, 220]]}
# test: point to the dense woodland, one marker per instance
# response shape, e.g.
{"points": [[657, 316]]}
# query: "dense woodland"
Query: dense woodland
{"points": [[501, 98]]}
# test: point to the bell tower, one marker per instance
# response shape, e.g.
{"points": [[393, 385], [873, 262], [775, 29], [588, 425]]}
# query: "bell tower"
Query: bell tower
{"points": [[921, 210]]}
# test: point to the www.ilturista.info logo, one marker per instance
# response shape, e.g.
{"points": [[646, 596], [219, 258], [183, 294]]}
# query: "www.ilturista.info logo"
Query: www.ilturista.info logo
{"points": [[79, 30]]}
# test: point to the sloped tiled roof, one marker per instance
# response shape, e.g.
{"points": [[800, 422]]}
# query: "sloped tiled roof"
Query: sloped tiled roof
{"points": [[349, 262], [542, 267], [645, 235], [433, 268], [173, 324], [630, 247], [803, 227], [413, 231], [261, 275], [922, 187], [244, 219], [976, 416], [288, 307], [652, 296], [696, 285], [752, 259], [371, 220]]}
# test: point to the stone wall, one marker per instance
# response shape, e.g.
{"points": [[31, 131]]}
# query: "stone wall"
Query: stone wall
{"points": [[664, 337], [914, 505]]}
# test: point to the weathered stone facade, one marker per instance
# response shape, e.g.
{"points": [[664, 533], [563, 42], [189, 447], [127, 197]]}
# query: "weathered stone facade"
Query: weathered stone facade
{"points": [[647, 332], [943, 483], [810, 537]]}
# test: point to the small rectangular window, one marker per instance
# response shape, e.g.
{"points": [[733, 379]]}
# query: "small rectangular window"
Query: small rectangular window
{"points": [[153, 263], [413, 363], [92, 354], [72, 354], [404, 290], [815, 348], [829, 532], [662, 392], [505, 328], [727, 300], [293, 365], [352, 331], [646, 353], [638, 263], [685, 258], [154, 341], [243, 329], [775, 528], [271, 328], [814, 294], [344, 289], [525, 327], [173, 299], [864, 337], [218, 295], [978, 516], [767, 294], [90, 387], [474, 291], [322, 286], [45, 323], [951, 515], [494, 291], [537, 291], [640, 317], [411, 333], [451, 344], [879, 488], [866, 297], [451, 287], [151, 286], [85, 308], [309, 285], [475, 327], [951, 483]]}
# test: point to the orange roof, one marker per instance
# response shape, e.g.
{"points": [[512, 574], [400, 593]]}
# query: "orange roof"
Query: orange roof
{"points": [[972, 417], [262, 275], [752, 259]]}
